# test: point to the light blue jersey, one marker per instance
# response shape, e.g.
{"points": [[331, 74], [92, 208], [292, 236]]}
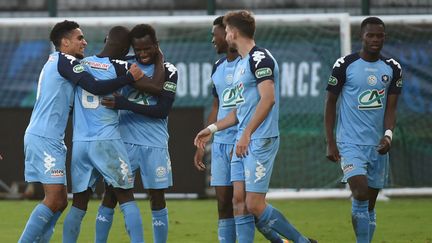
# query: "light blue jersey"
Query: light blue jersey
{"points": [[93, 121], [222, 77], [257, 66], [143, 130], [54, 97], [363, 87]]}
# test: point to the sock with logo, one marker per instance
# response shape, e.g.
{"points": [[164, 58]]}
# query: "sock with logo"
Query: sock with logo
{"points": [[104, 221], [133, 222], [372, 224], [245, 228], [360, 220], [160, 225], [72, 225], [226, 230], [39, 218], [49, 229], [272, 222]]}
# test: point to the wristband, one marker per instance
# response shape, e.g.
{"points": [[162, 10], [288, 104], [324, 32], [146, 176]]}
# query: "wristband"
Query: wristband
{"points": [[213, 128], [389, 134]]}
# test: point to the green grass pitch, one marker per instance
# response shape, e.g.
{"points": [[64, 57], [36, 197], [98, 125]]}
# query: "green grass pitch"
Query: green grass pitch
{"points": [[398, 221]]}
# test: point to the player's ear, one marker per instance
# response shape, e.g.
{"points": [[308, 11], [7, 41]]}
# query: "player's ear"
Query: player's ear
{"points": [[65, 42]]}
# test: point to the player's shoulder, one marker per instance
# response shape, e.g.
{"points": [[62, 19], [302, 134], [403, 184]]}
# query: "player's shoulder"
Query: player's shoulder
{"points": [[170, 70], [393, 63], [218, 63], [344, 61], [67, 62], [260, 57]]}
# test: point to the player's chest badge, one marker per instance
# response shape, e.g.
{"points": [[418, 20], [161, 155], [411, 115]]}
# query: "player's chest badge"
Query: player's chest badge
{"points": [[385, 78], [372, 80], [229, 79]]}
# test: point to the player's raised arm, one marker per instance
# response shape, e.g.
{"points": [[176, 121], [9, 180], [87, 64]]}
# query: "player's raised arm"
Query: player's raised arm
{"points": [[72, 70]]}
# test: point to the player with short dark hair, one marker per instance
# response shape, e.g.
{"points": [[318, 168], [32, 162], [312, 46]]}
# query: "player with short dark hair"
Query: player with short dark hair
{"points": [[98, 150], [144, 127], [223, 142], [369, 85], [255, 92], [45, 152]]}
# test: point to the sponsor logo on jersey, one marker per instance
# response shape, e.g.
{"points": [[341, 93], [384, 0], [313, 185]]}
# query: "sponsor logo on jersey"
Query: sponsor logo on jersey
{"points": [[231, 97], [385, 78], [170, 86], [372, 80], [371, 99], [171, 68], [332, 81], [339, 62], [399, 83], [263, 72], [138, 97], [368, 69], [96, 65], [78, 68], [258, 56]]}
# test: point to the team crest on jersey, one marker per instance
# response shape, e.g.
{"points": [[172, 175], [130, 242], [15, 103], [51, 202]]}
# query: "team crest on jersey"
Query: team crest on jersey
{"points": [[170, 86], [233, 96], [139, 98], [385, 78], [371, 99], [78, 68], [332, 81], [372, 80], [229, 79], [263, 72]]}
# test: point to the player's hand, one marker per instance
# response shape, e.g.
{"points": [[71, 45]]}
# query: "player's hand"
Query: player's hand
{"points": [[198, 160], [136, 72], [384, 145], [242, 146], [332, 152], [1, 158], [202, 138], [110, 101]]}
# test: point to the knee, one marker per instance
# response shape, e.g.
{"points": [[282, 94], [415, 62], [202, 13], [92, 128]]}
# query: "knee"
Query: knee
{"points": [[360, 194], [56, 204], [238, 200], [225, 208], [157, 199]]}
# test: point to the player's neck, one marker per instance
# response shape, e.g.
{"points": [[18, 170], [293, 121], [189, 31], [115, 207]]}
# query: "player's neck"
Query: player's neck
{"points": [[245, 46], [369, 57], [231, 55]]}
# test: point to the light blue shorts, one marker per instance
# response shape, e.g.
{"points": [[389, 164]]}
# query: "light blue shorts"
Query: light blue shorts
{"points": [[256, 169], [221, 164], [364, 160], [91, 159], [154, 164], [45, 160]]}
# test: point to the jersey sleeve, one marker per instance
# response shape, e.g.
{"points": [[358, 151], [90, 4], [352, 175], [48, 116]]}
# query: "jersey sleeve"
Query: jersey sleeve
{"points": [[121, 67], [396, 83], [262, 65], [215, 66], [170, 85], [338, 76], [72, 70]]}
